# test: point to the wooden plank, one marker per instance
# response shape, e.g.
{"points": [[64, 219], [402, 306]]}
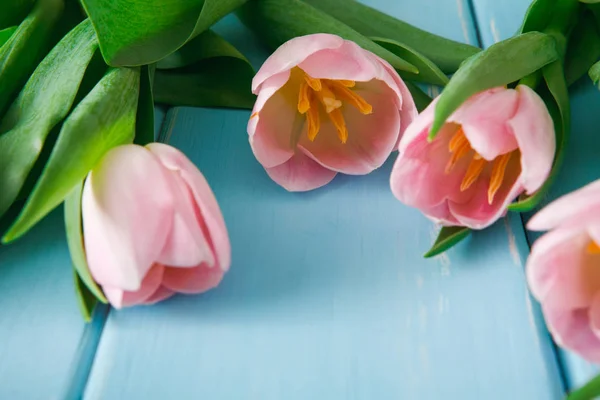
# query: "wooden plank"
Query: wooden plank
{"points": [[41, 326], [328, 295], [499, 20], [46, 349]]}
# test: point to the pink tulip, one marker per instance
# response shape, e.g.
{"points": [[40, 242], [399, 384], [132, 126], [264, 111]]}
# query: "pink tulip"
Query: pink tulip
{"points": [[152, 226], [325, 106], [563, 269], [497, 145]]}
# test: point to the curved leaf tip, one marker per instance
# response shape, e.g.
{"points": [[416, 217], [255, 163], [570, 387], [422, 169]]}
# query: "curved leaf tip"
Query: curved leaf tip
{"points": [[447, 238]]}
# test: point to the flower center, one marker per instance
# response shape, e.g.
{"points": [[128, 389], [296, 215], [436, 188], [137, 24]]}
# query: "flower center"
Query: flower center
{"points": [[459, 147], [593, 248], [328, 94]]}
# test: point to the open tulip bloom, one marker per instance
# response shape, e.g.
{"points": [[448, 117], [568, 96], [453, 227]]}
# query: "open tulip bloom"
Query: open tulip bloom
{"points": [[324, 106], [497, 145], [564, 269]]}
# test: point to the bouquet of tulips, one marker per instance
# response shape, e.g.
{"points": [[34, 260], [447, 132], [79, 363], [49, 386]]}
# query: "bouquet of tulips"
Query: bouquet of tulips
{"points": [[342, 91]]}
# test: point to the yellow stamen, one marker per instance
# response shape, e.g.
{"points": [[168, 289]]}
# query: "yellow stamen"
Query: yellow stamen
{"points": [[497, 178], [457, 140], [338, 120], [593, 248], [328, 99], [313, 122], [303, 98], [352, 98], [254, 115], [473, 172], [328, 93], [458, 153], [314, 83]]}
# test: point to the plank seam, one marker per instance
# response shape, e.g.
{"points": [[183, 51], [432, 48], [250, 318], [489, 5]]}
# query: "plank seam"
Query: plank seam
{"points": [[560, 367], [86, 353], [475, 19]]}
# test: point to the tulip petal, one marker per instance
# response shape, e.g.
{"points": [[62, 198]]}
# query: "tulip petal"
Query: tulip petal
{"points": [[292, 53], [406, 104], [210, 213], [270, 131], [571, 329], [162, 293], [192, 280], [560, 272], [301, 173], [483, 119], [533, 129], [418, 130], [127, 208], [348, 61], [186, 245], [371, 138], [419, 178], [119, 298], [594, 315], [268, 89], [573, 209]]}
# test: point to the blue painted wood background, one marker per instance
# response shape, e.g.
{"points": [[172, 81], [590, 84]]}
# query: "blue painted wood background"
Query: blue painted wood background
{"points": [[328, 296]]}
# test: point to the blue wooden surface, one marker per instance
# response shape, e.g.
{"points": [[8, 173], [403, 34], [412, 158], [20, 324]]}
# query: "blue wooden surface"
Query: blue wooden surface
{"points": [[497, 21], [328, 296]]}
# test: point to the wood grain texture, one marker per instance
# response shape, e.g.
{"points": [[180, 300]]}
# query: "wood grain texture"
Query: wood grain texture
{"points": [[328, 296], [46, 349], [499, 20]]}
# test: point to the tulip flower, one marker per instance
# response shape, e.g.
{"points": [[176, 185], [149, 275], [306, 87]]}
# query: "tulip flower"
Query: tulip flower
{"points": [[497, 145], [563, 270], [324, 106], [152, 226]]}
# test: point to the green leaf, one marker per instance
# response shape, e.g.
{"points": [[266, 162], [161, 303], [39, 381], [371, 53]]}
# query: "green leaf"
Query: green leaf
{"points": [[560, 110], [447, 54], [549, 16], [212, 83], [5, 34], [105, 118], [422, 99], [45, 100], [14, 11], [589, 1], [144, 125], [85, 299], [202, 47], [428, 71], [589, 391], [447, 238], [594, 73], [75, 242], [277, 21], [537, 16], [500, 64], [137, 32], [206, 72], [583, 49], [26, 47]]}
